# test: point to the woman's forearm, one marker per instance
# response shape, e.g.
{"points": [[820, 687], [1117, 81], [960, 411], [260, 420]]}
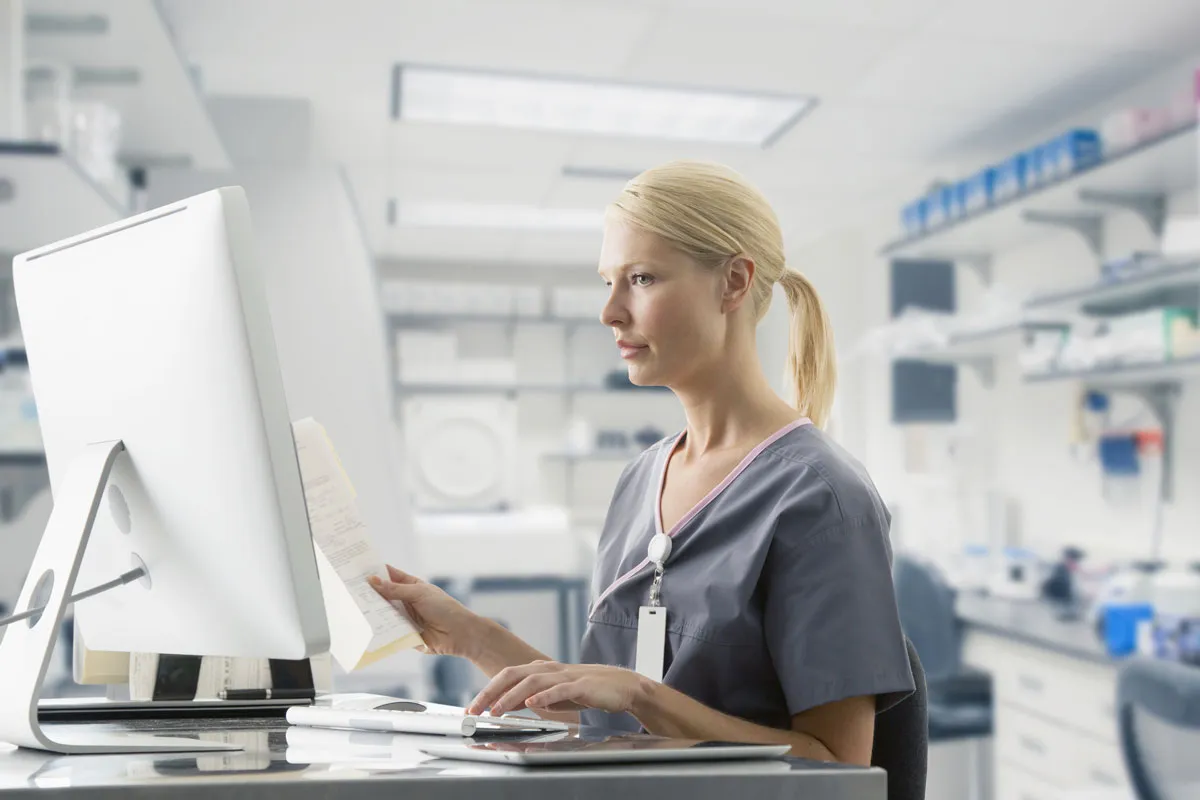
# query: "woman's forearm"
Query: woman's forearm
{"points": [[667, 712], [496, 647]]}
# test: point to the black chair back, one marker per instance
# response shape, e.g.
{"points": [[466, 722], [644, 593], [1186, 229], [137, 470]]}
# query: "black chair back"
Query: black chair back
{"points": [[902, 739]]}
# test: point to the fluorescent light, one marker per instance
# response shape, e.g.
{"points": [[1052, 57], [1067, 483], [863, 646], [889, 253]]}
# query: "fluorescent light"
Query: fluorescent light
{"points": [[499, 217], [471, 97]]}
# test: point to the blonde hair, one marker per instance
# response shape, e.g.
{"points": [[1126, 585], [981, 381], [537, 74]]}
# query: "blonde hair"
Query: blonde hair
{"points": [[712, 214]]}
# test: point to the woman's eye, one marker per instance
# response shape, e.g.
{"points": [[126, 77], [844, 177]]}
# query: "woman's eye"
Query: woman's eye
{"points": [[642, 280]]}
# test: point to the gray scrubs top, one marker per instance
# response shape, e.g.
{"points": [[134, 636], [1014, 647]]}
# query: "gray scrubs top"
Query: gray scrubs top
{"points": [[778, 588]]}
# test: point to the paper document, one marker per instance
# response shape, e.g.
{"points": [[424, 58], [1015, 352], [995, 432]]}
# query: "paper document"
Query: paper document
{"points": [[363, 626]]}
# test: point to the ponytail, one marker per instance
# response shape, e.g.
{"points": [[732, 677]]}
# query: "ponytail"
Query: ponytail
{"points": [[811, 370]]}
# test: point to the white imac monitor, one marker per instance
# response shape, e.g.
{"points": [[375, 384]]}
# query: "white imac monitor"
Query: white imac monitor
{"points": [[169, 446]]}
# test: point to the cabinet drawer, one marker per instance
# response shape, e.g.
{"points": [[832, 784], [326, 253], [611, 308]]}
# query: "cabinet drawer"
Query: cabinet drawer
{"points": [[1013, 783], [1056, 754], [1079, 694]]}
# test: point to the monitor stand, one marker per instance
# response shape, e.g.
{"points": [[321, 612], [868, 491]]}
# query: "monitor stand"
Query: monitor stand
{"points": [[27, 646]]}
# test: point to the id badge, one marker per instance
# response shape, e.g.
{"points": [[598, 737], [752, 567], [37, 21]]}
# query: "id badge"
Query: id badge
{"points": [[651, 642]]}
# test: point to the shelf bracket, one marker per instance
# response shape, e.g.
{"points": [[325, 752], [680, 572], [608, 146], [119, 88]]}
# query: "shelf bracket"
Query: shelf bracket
{"points": [[984, 367], [1089, 226], [979, 263], [1150, 206]]}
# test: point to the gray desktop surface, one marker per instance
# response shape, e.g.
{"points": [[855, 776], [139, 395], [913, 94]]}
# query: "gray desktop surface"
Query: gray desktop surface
{"points": [[384, 765]]}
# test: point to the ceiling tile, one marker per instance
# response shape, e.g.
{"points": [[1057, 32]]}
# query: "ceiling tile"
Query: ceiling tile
{"points": [[957, 73], [891, 13], [1167, 27], [462, 146], [743, 51]]}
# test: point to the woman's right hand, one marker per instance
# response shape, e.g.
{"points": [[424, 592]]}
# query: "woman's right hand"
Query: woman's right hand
{"points": [[447, 627]]}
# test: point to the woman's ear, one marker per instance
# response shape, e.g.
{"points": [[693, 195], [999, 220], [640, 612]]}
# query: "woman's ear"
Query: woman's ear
{"points": [[739, 277]]}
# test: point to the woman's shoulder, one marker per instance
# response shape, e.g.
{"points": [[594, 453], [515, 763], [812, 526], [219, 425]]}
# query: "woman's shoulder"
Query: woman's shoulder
{"points": [[824, 482]]}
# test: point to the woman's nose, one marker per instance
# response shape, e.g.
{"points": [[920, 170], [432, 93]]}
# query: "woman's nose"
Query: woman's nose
{"points": [[613, 313]]}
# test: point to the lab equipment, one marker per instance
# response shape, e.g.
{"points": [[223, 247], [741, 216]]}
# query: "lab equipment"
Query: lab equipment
{"points": [[1176, 598], [161, 399], [460, 452]]}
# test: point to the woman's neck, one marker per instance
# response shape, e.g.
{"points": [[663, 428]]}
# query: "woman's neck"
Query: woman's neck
{"points": [[732, 408]]}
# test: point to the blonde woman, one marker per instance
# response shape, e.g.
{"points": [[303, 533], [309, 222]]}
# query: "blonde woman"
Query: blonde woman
{"points": [[780, 619]]}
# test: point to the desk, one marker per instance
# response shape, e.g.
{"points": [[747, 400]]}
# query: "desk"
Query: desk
{"points": [[311, 764]]}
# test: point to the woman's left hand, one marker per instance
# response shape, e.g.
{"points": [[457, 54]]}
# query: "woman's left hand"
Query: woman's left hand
{"points": [[551, 686]]}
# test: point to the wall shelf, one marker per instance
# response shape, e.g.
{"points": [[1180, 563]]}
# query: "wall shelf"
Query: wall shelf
{"points": [[1137, 178], [133, 63], [976, 349], [49, 197], [1126, 375], [1171, 284]]}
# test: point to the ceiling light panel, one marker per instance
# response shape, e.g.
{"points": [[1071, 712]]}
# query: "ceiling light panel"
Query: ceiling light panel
{"points": [[469, 97]]}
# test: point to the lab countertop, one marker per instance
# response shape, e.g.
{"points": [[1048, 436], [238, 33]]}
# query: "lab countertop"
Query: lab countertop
{"points": [[282, 761], [1035, 622]]}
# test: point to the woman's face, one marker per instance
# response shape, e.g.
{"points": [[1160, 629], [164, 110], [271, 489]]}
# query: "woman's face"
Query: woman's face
{"points": [[665, 309]]}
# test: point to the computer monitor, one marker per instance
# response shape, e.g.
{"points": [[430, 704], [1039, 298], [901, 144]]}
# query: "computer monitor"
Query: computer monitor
{"points": [[169, 445]]}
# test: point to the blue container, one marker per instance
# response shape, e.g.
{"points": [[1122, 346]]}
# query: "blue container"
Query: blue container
{"points": [[913, 217], [976, 192], [1037, 165], [1121, 622], [1070, 152], [939, 207], [1010, 178]]}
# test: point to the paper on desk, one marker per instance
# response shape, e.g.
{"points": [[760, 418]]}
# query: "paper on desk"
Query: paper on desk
{"points": [[363, 627]]}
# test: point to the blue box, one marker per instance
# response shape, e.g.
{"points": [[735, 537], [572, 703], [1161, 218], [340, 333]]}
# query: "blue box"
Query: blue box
{"points": [[976, 192], [939, 207], [1010, 177], [913, 217], [1121, 623], [1037, 162], [1070, 152]]}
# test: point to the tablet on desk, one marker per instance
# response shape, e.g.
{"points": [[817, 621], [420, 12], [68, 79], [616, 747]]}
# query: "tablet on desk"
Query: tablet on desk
{"points": [[614, 750]]}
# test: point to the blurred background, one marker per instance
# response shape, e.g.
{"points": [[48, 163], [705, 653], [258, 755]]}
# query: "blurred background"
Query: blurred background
{"points": [[996, 200]]}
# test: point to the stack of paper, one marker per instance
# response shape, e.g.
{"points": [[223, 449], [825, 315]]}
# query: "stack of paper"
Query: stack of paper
{"points": [[363, 627]]}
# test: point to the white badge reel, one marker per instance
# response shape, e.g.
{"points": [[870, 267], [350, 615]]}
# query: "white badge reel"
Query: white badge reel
{"points": [[652, 619]]}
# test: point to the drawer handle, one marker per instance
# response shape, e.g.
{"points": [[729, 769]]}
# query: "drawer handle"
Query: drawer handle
{"points": [[1033, 745], [1100, 776], [1031, 683]]}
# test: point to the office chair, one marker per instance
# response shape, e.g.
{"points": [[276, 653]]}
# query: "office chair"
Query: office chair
{"points": [[959, 699], [1158, 712], [901, 745]]}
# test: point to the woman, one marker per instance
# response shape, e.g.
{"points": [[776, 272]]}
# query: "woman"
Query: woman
{"points": [[781, 625]]}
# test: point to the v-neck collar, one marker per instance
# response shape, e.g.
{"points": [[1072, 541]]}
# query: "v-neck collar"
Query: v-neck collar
{"points": [[720, 487]]}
